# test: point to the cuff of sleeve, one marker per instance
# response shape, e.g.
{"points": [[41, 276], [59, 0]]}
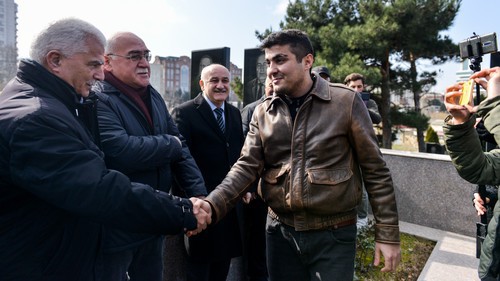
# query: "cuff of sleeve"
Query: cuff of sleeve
{"points": [[388, 234], [190, 222], [449, 125]]}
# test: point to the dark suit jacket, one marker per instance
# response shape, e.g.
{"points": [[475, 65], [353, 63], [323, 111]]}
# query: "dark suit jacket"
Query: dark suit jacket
{"points": [[215, 153]]}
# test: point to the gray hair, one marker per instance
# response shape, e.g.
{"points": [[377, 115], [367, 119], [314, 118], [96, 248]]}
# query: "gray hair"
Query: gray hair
{"points": [[68, 36]]}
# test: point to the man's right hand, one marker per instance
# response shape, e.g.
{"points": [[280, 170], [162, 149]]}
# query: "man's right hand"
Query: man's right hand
{"points": [[203, 213]]}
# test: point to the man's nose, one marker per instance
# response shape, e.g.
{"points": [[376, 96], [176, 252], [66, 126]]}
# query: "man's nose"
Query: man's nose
{"points": [[99, 73]]}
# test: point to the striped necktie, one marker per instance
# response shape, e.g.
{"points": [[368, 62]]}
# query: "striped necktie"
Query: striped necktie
{"points": [[220, 120]]}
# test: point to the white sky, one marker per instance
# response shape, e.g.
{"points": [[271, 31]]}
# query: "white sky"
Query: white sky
{"points": [[177, 27]]}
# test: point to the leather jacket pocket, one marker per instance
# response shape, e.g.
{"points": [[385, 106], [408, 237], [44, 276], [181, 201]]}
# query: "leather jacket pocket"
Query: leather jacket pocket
{"points": [[332, 191], [274, 188]]}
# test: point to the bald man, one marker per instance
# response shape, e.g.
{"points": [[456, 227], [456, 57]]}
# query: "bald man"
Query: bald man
{"points": [[139, 139], [212, 128]]}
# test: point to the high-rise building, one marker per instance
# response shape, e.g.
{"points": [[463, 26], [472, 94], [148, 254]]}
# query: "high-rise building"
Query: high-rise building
{"points": [[170, 76], [8, 36]]}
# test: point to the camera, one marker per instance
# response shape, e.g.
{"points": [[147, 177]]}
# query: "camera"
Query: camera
{"points": [[476, 46], [365, 96]]}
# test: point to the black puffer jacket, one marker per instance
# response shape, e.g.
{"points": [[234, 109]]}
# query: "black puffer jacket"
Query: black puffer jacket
{"points": [[150, 155], [55, 189]]}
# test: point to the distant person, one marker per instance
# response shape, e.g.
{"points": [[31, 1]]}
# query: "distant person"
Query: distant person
{"points": [[255, 88], [356, 82], [323, 72], [312, 144], [55, 188], [212, 129], [255, 211], [474, 165], [135, 124]]}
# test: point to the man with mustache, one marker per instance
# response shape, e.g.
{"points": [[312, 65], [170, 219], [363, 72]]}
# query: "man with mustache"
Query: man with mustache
{"points": [[140, 139], [56, 192], [212, 129]]}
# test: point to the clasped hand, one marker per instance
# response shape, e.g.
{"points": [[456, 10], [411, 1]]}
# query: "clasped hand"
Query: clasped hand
{"points": [[203, 213]]}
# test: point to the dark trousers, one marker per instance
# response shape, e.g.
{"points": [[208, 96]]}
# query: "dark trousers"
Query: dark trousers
{"points": [[310, 255], [255, 215], [213, 271], [142, 263]]}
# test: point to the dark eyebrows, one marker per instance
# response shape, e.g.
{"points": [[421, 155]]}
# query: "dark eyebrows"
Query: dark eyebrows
{"points": [[277, 57]]}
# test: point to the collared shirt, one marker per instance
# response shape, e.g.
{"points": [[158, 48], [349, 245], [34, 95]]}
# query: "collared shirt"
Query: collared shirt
{"points": [[213, 107]]}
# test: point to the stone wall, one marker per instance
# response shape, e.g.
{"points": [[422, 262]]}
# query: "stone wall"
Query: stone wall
{"points": [[430, 192]]}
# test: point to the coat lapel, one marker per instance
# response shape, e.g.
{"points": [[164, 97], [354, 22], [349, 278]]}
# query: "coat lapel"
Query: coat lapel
{"points": [[206, 112]]}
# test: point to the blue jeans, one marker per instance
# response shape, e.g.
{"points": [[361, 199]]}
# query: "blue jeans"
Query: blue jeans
{"points": [[142, 263], [310, 255]]}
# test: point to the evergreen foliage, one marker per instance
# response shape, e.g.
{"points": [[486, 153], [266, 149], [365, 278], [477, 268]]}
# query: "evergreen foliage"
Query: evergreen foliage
{"points": [[383, 39], [431, 135]]}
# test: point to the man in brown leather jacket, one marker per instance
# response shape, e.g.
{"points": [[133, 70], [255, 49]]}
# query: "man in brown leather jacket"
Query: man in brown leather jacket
{"points": [[312, 144]]}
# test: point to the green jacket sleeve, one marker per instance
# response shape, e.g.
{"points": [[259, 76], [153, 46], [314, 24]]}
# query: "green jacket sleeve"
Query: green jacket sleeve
{"points": [[464, 147]]}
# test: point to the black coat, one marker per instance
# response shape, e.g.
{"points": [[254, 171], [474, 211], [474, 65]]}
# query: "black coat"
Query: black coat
{"points": [[55, 188], [145, 154], [214, 153]]}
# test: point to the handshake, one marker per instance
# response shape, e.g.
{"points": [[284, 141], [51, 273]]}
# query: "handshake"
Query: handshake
{"points": [[203, 213]]}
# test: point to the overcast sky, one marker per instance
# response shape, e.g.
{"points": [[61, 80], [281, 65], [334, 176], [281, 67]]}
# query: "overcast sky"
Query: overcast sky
{"points": [[176, 27]]}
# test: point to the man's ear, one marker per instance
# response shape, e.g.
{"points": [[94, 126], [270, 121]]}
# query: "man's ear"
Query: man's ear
{"points": [[107, 63], [53, 60], [202, 85], [308, 61]]}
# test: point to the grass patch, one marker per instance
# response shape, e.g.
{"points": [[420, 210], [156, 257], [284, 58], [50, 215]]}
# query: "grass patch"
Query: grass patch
{"points": [[414, 254]]}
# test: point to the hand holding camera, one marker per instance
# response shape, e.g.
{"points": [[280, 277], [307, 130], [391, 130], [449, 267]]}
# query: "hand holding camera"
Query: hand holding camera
{"points": [[456, 103]]}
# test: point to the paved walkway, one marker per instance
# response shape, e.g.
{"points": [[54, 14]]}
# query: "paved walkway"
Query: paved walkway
{"points": [[453, 257]]}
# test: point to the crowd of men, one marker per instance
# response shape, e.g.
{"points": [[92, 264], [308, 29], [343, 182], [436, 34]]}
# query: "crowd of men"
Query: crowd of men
{"points": [[94, 170]]}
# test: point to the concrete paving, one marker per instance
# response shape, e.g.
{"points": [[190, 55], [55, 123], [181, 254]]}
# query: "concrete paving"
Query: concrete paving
{"points": [[453, 257]]}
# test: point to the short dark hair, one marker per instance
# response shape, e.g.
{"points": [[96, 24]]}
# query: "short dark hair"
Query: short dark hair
{"points": [[354, 77], [299, 42]]}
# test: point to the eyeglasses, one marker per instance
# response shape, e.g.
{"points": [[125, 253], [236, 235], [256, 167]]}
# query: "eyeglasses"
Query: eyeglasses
{"points": [[135, 57]]}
